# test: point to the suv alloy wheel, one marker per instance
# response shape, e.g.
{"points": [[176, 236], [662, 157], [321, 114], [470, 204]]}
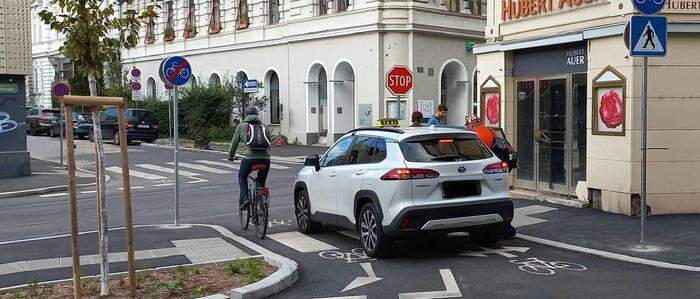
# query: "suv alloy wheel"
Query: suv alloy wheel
{"points": [[302, 210], [374, 242]]}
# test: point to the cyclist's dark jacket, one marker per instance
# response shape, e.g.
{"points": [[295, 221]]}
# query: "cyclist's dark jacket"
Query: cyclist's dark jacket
{"points": [[240, 136]]}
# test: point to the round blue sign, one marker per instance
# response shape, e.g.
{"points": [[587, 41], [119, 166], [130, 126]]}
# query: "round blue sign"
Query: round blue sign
{"points": [[649, 7], [175, 70], [60, 89]]}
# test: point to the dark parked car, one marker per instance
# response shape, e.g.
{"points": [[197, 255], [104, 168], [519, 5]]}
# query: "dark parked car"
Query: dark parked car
{"points": [[81, 126], [141, 125], [38, 120]]}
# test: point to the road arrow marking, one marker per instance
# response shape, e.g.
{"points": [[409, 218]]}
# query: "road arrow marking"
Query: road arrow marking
{"points": [[503, 251], [451, 289], [360, 281]]}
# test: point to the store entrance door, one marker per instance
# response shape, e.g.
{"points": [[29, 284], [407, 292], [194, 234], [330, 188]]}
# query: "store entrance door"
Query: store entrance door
{"points": [[549, 124]]}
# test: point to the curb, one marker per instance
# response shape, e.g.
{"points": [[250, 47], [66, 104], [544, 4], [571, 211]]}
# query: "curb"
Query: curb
{"points": [[554, 199]]}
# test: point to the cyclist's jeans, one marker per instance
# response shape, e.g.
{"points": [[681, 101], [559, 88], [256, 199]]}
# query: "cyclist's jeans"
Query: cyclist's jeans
{"points": [[246, 165]]}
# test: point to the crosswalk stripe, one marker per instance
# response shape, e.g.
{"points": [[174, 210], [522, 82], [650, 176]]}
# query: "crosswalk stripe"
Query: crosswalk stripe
{"points": [[201, 168], [53, 194], [217, 163], [167, 169], [136, 173], [301, 242], [272, 165]]}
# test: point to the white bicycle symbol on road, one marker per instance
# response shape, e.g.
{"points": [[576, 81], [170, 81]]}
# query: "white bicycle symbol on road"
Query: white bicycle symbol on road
{"points": [[353, 256], [184, 72], [655, 1], [536, 266]]}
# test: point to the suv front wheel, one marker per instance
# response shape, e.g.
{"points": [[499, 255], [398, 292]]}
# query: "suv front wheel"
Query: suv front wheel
{"points": [[374, 242], [302, 210]]}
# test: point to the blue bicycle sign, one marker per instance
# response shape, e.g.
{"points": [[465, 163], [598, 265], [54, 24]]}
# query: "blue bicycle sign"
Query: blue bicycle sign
{"points": [[649, 7], [175, 70]]}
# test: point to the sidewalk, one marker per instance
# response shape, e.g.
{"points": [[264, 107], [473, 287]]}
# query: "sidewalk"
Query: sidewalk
{"points": [[289, 150], [155, 246], [46, 177], [670, 238]]}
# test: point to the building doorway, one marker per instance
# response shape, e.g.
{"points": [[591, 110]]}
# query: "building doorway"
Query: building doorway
{"points": [[343, 99], [551, 132], [453, 92]]}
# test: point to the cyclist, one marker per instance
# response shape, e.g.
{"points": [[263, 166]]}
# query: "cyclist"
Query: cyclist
{"points": [[252, 136]]}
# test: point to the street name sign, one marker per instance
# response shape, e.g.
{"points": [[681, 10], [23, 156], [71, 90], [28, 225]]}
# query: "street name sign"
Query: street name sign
{"points": [[250, 86], [648, 36]]}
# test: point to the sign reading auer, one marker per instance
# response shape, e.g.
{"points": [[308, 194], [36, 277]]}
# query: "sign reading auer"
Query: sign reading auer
{"points": [[516, 9]]}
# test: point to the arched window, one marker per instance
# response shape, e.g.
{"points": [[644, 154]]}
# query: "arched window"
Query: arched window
{"points": [[151, 89], [274, 99], [214, 80]]}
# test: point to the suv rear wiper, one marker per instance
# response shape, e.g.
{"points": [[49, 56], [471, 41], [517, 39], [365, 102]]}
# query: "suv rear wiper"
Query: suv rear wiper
{"points": [[447, 158]]}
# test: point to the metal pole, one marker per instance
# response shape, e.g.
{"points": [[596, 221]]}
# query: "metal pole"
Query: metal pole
{"points": [[61, 129], [174, 94], [643, 201]]}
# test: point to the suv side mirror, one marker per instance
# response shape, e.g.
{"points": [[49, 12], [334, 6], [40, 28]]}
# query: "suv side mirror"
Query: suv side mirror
{"points": [[314, 161]]}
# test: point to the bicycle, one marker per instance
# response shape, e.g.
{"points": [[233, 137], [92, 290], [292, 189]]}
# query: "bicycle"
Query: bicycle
{"points": [[259, 204]]}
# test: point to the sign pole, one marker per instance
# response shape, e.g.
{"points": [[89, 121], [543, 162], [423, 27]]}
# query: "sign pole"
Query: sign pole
{"points": [[60, 138], [643, 199], [175, 95]]}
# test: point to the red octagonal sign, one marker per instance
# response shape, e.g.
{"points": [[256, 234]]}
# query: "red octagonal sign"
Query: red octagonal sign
{"points": [[399, 80]]}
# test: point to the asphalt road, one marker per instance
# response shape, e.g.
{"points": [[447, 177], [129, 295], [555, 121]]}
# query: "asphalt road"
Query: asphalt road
{"points": [[329, 261]]}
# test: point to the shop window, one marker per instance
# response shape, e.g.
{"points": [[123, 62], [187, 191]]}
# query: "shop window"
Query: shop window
{"points": [[190, 24], [215, 17], [342, 5], [242, 20], [169, 32], [475, 7], [452, 5], [273, 11], [322, 7]]}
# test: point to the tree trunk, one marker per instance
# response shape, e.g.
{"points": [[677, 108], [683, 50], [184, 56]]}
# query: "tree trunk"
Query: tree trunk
{"points": [[102, 210]]}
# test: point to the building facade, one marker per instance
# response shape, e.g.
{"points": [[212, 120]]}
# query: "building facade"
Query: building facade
{"points": [[46, 58], [15, 63], [322, 63], [559, 78]]}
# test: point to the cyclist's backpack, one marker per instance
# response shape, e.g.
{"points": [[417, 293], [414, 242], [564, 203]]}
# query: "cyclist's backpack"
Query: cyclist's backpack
{"points": [[257, 139]]}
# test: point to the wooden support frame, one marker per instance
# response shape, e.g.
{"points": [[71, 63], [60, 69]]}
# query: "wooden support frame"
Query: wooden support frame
{"points": [[69, 101]]}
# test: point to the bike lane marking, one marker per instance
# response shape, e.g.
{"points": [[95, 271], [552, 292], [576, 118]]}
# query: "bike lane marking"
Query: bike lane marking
{"points": [[451, 289], [301, 242]]}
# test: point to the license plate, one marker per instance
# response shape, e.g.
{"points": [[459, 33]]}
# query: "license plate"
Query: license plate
{"points": [[144, 126], [456, 189]]}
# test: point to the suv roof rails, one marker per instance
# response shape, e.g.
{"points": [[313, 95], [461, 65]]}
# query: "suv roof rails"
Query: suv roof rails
{"points": [[383, 129]]}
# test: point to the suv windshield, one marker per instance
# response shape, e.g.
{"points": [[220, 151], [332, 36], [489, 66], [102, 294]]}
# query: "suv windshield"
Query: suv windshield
{"points": [[439, 149]]}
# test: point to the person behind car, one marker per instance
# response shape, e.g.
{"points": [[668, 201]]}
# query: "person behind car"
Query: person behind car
{"points": [[246, 134], [416, 118], [439, 118]]}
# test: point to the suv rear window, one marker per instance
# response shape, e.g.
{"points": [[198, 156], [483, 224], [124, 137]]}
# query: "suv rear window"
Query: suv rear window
{"points": [[143, 116], [444, 149]]}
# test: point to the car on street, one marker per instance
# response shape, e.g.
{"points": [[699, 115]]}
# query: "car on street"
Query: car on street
{"points": [[81, 126], [39, 120], [140, 124], [388, 183]]}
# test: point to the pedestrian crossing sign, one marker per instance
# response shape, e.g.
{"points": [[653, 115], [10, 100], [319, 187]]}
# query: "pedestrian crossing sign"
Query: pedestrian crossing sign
{"points": [[648, 36]]}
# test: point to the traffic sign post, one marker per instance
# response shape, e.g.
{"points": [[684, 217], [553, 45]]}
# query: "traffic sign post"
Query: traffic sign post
{"points": [[399, 81], [59, 90], [175, 71], [250, 86], [647, 37]]}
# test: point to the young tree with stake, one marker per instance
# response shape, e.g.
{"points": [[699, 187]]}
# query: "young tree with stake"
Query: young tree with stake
{"points": [[92, 29]]}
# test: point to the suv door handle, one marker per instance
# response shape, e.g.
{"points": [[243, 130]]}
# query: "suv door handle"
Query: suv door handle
{"points": [[332, 174], [361, 172]]}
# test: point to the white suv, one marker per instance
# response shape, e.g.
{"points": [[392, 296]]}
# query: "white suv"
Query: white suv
{"points": [[386, 182]]}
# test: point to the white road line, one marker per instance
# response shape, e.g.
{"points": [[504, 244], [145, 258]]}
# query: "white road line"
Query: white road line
{"points": [[301, 242], [217, 163], [451, 289], [136, 173], [168, 170], [201, 168], [132, 188], [163, 185], [89, 191], [53, 194]]}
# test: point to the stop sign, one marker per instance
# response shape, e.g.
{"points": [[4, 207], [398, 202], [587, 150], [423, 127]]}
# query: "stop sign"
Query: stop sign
{"points": [[399, 80]]}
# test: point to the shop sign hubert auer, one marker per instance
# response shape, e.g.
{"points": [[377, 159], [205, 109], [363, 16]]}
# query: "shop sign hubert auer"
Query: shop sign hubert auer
{"points": [[516, 9]]}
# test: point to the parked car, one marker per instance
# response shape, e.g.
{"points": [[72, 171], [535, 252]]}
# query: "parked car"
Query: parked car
{"points": [[39, 120], [141, 125], [81, 126], [388, 182]]}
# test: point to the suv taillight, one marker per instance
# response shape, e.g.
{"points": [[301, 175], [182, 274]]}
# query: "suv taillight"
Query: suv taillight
{"points": [[128, 125], [410, 173], [500, 167]]}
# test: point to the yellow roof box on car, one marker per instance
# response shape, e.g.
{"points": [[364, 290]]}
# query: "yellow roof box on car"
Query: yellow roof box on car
{"points": [[388, 123]]}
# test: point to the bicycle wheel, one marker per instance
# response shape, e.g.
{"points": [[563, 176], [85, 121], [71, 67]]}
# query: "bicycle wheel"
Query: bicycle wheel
{"points": [[244, 218], [260, 217], [569, 266]]}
